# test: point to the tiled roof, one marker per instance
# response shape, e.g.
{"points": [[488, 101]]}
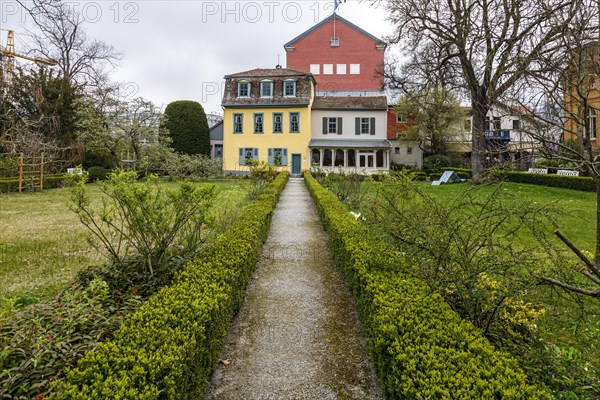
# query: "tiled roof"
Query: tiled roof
{"points": [[338, 18], [304, 85], [350, 103], [267, 73]]}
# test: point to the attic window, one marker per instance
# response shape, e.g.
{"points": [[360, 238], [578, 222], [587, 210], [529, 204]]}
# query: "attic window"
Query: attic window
{"points": [[266, 89], [335, 41], [243, 89]]}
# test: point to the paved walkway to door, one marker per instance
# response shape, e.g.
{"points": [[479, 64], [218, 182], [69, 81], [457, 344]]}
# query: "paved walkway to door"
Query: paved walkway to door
{"points": [[297, 335]]}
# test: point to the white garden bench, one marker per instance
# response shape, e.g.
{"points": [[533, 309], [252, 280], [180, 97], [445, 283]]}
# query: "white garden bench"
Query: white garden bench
{"points": [[567, 172], [538, 170]]}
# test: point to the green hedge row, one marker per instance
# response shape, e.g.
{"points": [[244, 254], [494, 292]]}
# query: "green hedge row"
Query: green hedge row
{"points": [[420, 347], [12, 184], [169, 348], [583, 183]]}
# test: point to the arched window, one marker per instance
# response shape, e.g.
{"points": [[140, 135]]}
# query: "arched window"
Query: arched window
{"points": [[327, 158], [592, 125], [339, 158], [316, 157], [351, 158]]}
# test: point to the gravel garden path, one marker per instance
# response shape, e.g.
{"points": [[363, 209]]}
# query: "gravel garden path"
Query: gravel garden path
{"points": [[297, 335]]}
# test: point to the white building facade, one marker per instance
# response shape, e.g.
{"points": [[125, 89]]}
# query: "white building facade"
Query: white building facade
{"points": [[350, 134]]}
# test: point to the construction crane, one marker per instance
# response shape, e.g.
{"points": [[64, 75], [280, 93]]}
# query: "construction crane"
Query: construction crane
{"points": [[7, 57]]}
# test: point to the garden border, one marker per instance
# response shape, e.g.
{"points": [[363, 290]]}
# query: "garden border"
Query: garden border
{"points": [[169, 348], [421, 348]]}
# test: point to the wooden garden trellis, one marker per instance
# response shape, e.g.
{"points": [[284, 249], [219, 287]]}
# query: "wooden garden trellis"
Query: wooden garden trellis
{"points": [[29, 171]]}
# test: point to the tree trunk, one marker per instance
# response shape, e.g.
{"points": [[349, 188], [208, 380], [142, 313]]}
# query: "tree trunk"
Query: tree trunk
{"points": [[478, 133]]}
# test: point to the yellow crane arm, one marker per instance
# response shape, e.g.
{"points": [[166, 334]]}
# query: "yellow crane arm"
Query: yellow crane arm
{"points": [[50, 62]]}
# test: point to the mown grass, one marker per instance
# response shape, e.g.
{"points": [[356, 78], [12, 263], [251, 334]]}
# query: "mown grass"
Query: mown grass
{"points": [[43, 244]]}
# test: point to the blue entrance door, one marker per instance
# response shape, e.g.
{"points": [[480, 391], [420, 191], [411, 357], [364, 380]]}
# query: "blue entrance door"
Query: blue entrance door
{"points": [[296, 164]]}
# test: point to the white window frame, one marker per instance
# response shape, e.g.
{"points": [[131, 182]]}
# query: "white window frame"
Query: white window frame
{"points": [[332, 125], [327, 69], [354, 69], [270, 86], [240, 89], [296, 116], [280, 151], [259, 122], [315, 69], [251, 152], [240, 123], [285, 87], [340, 69], [364, 121], [592, 117], [275, 115], [400, 118]]}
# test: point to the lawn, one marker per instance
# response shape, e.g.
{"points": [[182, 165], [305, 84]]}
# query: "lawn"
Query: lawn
{"points": [[43, 244], [570, 321], [577, 217]]}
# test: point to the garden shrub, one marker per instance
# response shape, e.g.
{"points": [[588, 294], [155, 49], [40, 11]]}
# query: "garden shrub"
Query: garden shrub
{"points": [[261, 174], [169, 348], [143, 219], [420, 347], [97, 173], [464, 248], [347, 187], [436, 163], [39, 342]]}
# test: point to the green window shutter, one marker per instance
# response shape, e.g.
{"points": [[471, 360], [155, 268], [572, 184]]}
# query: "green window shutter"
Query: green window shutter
{"points": [[324, 125], [284, 157], [339, 125], [271, 156], [372, 126], [242, 160], [255, 153], [357, 125]]}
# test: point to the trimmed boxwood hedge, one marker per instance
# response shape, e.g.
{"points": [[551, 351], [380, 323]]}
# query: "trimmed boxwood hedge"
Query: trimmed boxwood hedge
{"points": [[12, 184], [583, 183], [420, 347], [169, 348]]}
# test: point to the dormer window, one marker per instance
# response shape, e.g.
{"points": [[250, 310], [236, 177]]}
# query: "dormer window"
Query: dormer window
{"points": [[335, 42], [266, 89], [243, 89], [289, 88]]}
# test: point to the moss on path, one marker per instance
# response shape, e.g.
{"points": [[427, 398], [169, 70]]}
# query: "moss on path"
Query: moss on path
{"points": [[298, 335]]}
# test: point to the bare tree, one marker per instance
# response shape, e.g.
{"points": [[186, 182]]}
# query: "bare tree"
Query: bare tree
{"points": [[62, 37], [563, 94], [489, 45], [110, 125]]}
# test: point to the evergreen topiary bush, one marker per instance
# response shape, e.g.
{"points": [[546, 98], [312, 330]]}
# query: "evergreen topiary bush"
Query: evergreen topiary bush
{"points": [[187, 125]]}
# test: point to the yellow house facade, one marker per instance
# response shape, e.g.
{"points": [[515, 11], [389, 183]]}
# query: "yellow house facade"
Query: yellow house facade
{"points": [[267, 117], [582, 100]]}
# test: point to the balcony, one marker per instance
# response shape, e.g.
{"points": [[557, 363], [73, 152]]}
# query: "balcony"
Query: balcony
{"points": [[502, 134]]}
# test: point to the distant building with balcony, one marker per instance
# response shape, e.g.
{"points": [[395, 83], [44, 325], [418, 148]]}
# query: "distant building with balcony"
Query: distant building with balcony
{"points": [[508, 136]]}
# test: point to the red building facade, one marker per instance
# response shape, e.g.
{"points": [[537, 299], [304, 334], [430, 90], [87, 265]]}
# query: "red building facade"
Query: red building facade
{"points": [[339, 54]]}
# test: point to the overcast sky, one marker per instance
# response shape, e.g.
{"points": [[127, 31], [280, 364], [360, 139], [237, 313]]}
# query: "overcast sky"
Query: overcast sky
{"points": [[175, 50]]}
